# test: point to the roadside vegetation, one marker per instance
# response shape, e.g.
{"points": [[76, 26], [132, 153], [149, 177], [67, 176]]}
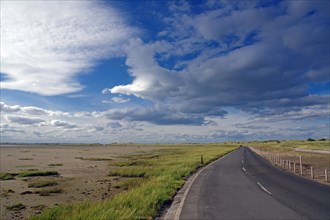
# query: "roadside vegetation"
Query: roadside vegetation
{"points": [[150, 182], [287, 146], [314, 155]]}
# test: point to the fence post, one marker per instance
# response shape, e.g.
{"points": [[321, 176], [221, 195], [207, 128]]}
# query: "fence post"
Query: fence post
{"points": [[289, 165], [202, 161], [301, 171], [326, 175], [312, 173], [294, 167]]}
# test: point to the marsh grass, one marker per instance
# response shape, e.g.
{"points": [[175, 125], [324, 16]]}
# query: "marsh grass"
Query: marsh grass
{"points": [[93, 158], [47, 192], [42, 183], [38, 207], [291, 145], [5, 193], [16, 207], [37, 173], [130, 183], [55, 164], [25, 158], [157, 177], [25, 166], [6, 176]]}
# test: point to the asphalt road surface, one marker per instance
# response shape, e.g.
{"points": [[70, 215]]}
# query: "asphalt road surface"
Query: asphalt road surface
{"points": [[242, 185]]}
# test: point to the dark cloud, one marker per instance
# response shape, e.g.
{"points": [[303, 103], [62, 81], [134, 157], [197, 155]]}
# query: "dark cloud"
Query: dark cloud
{"points": [[251, 126], [5, 128], [62, 124], [24, 120], [254, 58], [155, 116]]}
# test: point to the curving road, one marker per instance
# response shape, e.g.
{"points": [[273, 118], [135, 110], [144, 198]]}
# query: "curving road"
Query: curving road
{"points": [[242, 185]]}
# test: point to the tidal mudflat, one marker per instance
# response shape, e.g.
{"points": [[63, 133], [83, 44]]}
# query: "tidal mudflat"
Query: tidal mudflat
{"points": [[36, 177]]}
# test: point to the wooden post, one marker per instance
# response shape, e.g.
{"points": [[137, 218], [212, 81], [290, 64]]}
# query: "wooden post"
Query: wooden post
{"points": [[202, 161], [294, 167], [289, 165], [312, 173], [301, 171], [326, 175]]}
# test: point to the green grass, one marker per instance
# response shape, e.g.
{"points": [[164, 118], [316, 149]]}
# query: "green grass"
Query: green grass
{"points": [[37, 173], [130, 183], [42, 183], [6, 176], [156, 180]]}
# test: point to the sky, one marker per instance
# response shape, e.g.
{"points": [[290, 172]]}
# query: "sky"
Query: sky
{"points": [[164, 71]]}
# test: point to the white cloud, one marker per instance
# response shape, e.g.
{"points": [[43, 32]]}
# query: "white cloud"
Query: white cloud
{"points": [[46, 44], [158, 125], [8, 108], [151, 80], [116, 100]]}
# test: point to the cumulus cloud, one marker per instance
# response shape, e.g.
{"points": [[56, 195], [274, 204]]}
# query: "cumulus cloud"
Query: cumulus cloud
{"points": [[46, 44], [8, 108], [253, 58], [35, 111], [151, 80]]}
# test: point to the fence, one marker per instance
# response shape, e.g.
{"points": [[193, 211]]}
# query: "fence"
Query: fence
{"points": [[292, 164]]}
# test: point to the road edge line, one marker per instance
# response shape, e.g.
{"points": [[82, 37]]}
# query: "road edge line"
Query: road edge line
{"points": [[185, 190]]}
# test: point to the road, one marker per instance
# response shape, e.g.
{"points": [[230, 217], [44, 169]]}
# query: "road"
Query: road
{"points": [[242, 185]]}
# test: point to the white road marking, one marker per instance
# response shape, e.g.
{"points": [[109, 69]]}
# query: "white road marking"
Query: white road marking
{"points": [[263, 188], [244, 169]]}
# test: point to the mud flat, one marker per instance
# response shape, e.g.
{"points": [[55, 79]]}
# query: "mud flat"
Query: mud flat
{"points": [[82, 175]]}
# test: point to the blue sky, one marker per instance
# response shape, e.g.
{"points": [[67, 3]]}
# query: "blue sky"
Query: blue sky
{"points": [[164, 71]]}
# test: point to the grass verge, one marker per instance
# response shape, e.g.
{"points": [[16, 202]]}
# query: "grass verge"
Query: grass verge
{"points": [[157, 180]]}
